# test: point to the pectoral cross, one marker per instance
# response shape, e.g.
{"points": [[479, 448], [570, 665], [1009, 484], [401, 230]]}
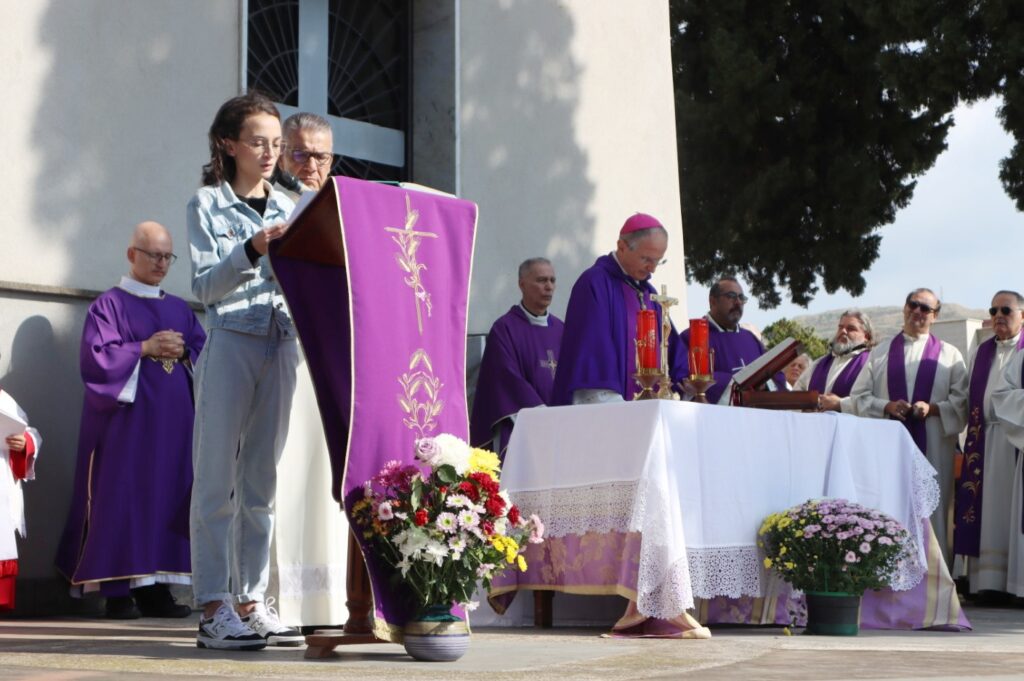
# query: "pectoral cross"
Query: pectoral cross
{"points": [[551, 363], [666, 324]]}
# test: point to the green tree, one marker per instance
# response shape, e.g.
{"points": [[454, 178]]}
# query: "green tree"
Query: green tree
{"points": [[802, 126], [776, 332]]}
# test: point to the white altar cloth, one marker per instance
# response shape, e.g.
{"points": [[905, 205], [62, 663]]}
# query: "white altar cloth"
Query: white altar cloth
{"points": [[697, 480]]}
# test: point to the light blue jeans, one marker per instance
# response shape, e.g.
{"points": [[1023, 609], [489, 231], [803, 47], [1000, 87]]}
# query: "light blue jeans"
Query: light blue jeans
{"points": [[244, 385]]}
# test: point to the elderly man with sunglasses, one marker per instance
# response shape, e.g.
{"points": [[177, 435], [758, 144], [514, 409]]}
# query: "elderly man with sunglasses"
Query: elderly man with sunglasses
{"points": [[306, 154], [734, 347], [127, 532], [985, 531], [921, 382]]}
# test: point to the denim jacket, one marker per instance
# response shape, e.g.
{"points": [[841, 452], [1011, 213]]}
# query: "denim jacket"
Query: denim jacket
{"points": [[238, 295]]}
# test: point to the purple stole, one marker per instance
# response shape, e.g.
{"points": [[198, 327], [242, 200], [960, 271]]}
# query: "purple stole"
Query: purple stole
{"points": [[896, 376], [967, 516], [846, 378], [377, 280]]}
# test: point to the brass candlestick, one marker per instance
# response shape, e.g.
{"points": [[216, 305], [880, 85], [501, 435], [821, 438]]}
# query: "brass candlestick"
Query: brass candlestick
{"points": [[701, 382]]}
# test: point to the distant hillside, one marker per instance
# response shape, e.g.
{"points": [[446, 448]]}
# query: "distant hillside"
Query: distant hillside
{"points": [[888, 320]]}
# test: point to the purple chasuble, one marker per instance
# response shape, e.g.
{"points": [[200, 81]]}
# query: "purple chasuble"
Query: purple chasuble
{"points": [[896, 382], [129, 514], [598, 349], [517, 372], [377, 280], [967, 505], [846, 378], [733, 351]]}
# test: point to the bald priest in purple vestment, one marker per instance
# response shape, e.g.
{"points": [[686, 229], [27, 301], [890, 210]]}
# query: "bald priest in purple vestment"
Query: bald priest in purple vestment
{"points": [[597, 361], [734, 347], [520, 358], [834, 374], [127, 534]]}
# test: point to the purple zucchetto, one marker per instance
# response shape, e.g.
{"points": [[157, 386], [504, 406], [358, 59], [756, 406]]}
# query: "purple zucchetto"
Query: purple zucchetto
{"points": [[637, 222]]}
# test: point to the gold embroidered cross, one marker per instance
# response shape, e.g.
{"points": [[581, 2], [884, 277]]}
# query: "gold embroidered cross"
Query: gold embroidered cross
{"points": [[551, 363], [408, 240]]}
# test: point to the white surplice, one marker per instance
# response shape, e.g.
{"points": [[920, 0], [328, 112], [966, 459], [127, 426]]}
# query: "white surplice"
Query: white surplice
{"points": [[847, 405], [309, 558], [1008, 406], [12, 504], [988, 570], [949, 392]]}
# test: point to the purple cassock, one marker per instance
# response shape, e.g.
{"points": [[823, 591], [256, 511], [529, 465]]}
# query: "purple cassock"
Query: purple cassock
{"points": [[598, 346], [733, 351], [517, 372], [130, 506]]}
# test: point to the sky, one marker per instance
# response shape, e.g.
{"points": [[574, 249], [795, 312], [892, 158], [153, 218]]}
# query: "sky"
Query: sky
{"points": [[958, 236]]}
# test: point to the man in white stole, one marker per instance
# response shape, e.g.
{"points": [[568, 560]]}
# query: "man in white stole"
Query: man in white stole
{"points": [[934, 414], [982, 519]]}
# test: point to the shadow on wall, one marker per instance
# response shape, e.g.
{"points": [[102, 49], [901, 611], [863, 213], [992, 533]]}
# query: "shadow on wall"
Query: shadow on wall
{"points": [[521, 160], [121, 125], [40, 373]]}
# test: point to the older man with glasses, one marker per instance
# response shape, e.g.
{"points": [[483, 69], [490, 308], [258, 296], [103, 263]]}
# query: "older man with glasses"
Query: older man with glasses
{"points": [[921, 382], [734, 347], [597, 360], [985, 531], [127, 535], [306, 155]]}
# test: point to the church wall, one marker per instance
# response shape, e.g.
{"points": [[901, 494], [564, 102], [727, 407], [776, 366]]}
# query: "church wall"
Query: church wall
{"points": [[106, 127], [565, 127]]}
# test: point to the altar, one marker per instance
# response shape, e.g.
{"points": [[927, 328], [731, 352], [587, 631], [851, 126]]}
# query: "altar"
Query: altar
{"points": [[660, 501]]}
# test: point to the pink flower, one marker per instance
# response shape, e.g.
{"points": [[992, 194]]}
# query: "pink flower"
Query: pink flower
{"points": [[885, 541], [851, 557], [427, 450], [536, 530], [384, 511], [865, 547]]}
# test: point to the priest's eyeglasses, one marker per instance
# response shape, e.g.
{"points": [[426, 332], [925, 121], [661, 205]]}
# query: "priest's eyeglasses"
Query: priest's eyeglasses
{"points": [[157, 258], [1006, 311], [732, 295], [651, 262], [914, 305], [301, 157]]}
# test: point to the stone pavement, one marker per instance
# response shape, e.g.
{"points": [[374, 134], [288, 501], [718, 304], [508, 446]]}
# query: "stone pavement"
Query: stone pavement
{"points": [[66, 649]]}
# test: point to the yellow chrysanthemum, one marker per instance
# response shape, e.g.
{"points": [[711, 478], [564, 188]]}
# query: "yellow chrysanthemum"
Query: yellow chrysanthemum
{"points": [[784, 522], [521, 563], [782, 550], [768, 562], [484, 461], [789, 565]]}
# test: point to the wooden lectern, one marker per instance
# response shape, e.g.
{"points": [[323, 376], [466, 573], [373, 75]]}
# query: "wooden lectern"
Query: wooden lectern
{"points": [[749, 387]]}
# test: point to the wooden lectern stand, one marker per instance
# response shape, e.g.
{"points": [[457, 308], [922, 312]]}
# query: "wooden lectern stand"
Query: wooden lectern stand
{"points": [[749, 388]]}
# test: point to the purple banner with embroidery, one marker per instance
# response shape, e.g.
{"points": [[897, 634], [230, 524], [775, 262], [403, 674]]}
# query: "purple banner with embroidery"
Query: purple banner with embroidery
{"points": [[967, 514], [844, 381], [896, 376], [377, 280]]}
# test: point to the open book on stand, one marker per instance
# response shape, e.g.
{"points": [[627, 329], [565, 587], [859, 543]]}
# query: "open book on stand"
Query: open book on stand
{"points": [[750, 384]]}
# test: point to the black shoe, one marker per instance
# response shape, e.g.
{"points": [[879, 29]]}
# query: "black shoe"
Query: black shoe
{"points": [[122, 608], [156, 600]]}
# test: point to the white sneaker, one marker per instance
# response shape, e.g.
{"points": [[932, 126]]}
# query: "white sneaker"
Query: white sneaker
{"points": [[263, 620], [225, 631]]}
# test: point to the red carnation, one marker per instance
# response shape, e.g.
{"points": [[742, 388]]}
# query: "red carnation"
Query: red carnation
{"points": [[469, 489], [486, 482], [488, 527], [513, 514], [421, 518], [495, 505]]}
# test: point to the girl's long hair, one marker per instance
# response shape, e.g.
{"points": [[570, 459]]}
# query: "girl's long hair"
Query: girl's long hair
{"points": [[227, 124]]}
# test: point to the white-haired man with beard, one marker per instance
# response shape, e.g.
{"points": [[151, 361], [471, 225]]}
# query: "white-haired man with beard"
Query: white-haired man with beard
{"points": [[835, 374]]}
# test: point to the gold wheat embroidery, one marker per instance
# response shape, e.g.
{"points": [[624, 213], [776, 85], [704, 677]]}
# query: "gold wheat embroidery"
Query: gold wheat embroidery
{"points": [[408, 241], [420, 415]]}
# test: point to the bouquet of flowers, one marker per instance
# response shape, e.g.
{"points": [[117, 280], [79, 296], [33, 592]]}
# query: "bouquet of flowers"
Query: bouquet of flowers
{"points": [[445, 529], [833, 545]]}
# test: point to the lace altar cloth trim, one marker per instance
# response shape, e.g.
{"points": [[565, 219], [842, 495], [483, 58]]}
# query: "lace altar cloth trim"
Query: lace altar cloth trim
{"points": [[297, 581], [667, 583]]}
